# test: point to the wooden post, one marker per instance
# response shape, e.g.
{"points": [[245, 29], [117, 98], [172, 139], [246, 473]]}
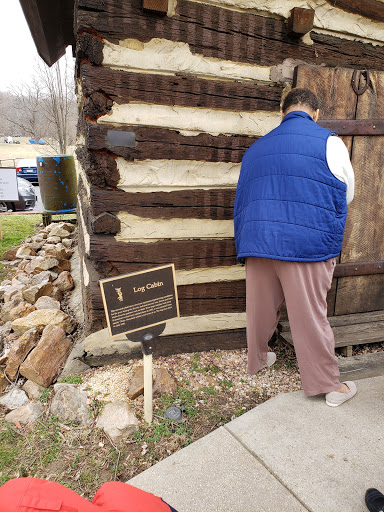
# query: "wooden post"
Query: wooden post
{"points": [[148, 414]]}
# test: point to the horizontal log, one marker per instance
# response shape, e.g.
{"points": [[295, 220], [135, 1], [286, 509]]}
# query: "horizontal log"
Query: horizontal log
{"points": [[215, 204], [199, 299], [222, 33], [359, 268], [124, 87], [161, 143], [369, 8], [354, 126], [185, 254]]}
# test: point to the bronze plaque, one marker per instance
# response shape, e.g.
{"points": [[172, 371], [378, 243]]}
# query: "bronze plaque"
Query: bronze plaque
{"points": [[140, 299]]}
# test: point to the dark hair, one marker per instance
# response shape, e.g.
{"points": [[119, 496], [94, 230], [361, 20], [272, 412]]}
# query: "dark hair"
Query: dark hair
{"points": [[303, 97]]}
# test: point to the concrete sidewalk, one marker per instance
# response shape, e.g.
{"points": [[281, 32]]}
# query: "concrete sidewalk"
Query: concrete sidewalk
{"points": [[292, 453]]}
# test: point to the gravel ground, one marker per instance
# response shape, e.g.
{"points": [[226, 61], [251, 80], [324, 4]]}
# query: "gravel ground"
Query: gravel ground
{"points": [[216, 368]]}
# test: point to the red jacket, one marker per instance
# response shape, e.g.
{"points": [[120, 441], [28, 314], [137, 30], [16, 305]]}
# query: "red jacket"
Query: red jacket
{"points": [[35, 495]]}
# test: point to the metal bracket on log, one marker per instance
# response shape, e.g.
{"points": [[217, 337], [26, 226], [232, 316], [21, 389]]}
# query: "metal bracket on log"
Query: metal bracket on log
{"points": [[359, 268], [300, 21], [354, 126], [156, 6]]}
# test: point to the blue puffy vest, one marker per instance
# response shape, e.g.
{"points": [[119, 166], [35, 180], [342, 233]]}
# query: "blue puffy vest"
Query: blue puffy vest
{"points": [[289, 205]]}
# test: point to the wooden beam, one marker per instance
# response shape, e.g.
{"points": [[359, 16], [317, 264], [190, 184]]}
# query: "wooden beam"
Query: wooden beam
{"points": [[156, 6], [300, 21], [359, 269], [215, 204], [371, 9], [162, 143], [222, 33], [186, 254], [354, 126], [187, 91]]}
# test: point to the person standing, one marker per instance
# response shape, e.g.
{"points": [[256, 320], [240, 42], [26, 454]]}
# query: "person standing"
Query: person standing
{"points": [[289, 219]]}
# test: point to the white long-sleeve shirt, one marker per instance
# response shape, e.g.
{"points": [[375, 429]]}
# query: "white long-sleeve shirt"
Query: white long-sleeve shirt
{"points": [[340, 164]]}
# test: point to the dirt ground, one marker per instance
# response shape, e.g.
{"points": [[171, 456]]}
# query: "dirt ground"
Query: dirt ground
{"points": [[11, 153], [212, 389]]}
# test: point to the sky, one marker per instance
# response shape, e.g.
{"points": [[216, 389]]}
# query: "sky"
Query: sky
{"points": [[18, 52]]}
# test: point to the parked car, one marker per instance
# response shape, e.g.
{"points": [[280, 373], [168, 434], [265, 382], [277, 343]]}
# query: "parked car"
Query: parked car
{"points": [[27, 169], [27, 198]]}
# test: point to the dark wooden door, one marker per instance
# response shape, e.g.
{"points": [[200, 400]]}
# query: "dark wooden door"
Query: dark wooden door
{"points": [[364, 234]]}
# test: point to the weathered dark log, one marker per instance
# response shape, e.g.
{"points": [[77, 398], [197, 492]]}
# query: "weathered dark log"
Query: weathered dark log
{"points": [[198, 342], [216, 204], [101, 168], [89, 48], [185, 254], [160, 143], [96, 105], [106, 223], [300, 21], [369, 8], [223, 33], [200, 299], [188, 91]]}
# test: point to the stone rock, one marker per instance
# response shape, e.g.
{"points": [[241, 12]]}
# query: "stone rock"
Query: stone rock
{"points": [[14, 399], [62, 230], [14, 291], [40, 237], [57, 294], [36, 246], [32, 293], [70, 404], [100, 349], [33, 390], [163, 382], [10, 255], [4, 332], [41, 277], [67, 242], [12, 338], [19, 350], [22, 309], [26, 414], [57, 251], [43, 363], [75, 364], [20, 278], [41, 263], [7, 308], [117, 420], [45, 302], [3, 383], [25, 266], [43, 317], [136, 384], [53, 240], [24, 251], [64, 265], [64, 282]]}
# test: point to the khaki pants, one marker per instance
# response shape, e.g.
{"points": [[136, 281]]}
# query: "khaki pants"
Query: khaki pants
{"points": [[304, 287]]}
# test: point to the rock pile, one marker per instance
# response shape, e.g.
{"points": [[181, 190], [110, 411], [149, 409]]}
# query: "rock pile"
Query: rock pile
{"points": [[34, 331]]}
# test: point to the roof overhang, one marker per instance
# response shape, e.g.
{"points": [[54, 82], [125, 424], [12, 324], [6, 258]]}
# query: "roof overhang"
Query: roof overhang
{"points": [[51, 26]]}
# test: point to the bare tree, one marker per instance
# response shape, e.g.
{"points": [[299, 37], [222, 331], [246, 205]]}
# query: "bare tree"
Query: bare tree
{"points": [[45, 106], [24, 108], [59, 105]]}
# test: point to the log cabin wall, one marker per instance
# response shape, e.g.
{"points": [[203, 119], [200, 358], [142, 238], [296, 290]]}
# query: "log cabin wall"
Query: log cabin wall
{"points": [[188, 91]]}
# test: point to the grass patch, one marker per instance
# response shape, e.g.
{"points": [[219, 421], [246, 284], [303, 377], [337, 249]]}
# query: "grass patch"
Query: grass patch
{"points": [[16, 228]]}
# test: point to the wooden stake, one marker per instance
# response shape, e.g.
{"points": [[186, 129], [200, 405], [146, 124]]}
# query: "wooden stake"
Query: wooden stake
{"points": [[148, 388]]}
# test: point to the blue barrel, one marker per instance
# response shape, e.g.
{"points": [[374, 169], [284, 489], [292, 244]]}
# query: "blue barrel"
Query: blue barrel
{"points": [[58, 183]]}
